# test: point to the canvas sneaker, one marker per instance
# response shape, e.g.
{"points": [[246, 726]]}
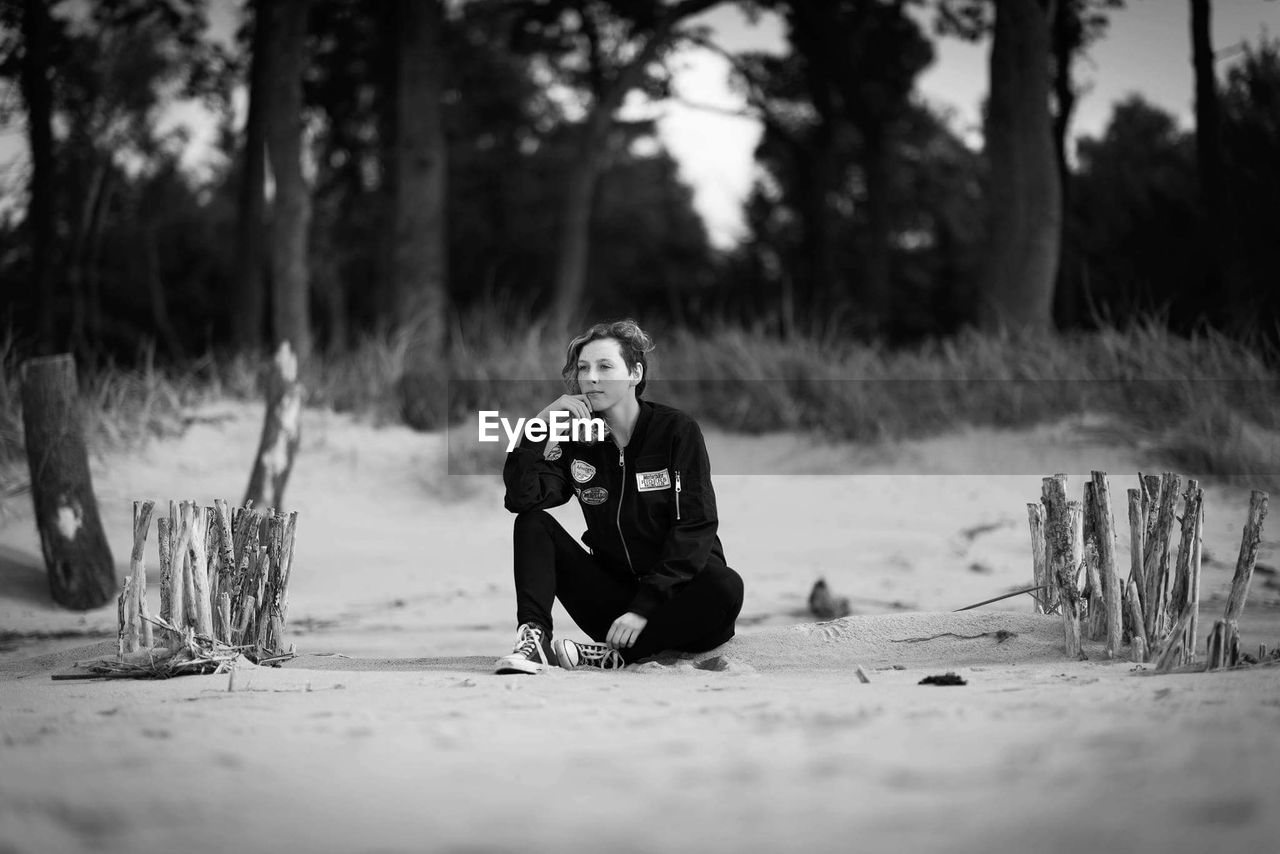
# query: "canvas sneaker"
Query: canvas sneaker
{"points": [[531, 654], [571, 655]]}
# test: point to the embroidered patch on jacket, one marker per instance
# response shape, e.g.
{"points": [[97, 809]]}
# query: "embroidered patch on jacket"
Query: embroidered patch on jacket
{"points": [[553, 452], [652, 481], [593, 495], [582, 472]]}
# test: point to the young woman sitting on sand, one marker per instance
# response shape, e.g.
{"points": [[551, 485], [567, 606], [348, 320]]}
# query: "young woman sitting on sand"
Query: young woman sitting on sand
{"points": [[655, 577]]}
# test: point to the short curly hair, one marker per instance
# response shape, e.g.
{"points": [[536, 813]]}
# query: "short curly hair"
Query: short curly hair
{"points": [[634, 342]]}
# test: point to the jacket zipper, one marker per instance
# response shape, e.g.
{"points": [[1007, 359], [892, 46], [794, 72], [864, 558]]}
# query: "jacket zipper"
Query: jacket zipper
{"points": [[677, 495], [622, 461]]}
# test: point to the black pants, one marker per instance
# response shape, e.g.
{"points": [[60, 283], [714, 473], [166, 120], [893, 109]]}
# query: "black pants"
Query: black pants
{"points": [[550, 563]]}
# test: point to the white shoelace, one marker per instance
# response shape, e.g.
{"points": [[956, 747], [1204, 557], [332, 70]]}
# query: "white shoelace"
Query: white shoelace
{"points": [[529, 641]]}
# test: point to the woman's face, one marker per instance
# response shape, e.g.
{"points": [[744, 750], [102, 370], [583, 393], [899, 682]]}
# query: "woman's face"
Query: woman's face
{"points": [[603, 376]]}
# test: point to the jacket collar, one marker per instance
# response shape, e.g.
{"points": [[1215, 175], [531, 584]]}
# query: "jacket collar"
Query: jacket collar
{"points": [[638, 432]]}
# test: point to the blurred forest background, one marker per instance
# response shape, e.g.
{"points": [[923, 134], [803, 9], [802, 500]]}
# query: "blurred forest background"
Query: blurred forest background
{"points": [[414, 190]]}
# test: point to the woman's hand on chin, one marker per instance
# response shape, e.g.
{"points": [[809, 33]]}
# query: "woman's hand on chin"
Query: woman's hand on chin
{"points": [[625, 630], [577, 405]]}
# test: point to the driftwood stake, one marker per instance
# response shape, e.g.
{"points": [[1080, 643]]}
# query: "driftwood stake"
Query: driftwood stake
{"points": [[138, 567], [163, 533], [183, 592], [1096, 617], [1151, 492], [1175, 646], [127, 609], [1193, 602], [1180, 589], [1134, 605], [1248, 557], [1223, 646], [1039, 569], [1137, 538], [1155, 564], [224, 617], [200, 573], [1111, 590], [226, 549], [1063, 520]]}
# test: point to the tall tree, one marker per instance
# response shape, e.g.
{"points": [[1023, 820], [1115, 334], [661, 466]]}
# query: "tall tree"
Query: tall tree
{"points": [[38, 95], [249, 294], [291, 208], [1024, 209], [1077, 24], [1209, 145], [866, 55], [614, 67], [419, 264]]}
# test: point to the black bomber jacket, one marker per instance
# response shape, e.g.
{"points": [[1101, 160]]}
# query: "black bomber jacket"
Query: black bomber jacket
{"points": [[649, 507]]}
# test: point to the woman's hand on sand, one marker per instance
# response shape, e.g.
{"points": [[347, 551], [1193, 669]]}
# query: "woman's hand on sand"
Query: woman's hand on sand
{"points": [[577, 405], [625, 630]]}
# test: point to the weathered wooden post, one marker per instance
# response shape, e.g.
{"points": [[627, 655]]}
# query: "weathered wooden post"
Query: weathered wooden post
{"points": [[1155, 565], [1046, 598], [138, 569], [76, 555], [1112, 596], [1182, 601], [1063, 521], [1224, 639], [1096, 619]]}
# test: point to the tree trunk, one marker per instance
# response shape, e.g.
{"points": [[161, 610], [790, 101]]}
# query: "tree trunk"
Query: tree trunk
{"points": [[1066, 42], [578, 204], [575, 228], [159, 298], [822, 283], [281, 434], [419, 256], [291, 211], [387, 104], [81, 573], [37, 93], [248, 291], [877, 292], [419, 259], [1209, 150], [1024, 208]]}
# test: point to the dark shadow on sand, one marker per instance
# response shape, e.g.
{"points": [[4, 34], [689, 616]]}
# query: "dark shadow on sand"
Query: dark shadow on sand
{"points": [[22, 577]]}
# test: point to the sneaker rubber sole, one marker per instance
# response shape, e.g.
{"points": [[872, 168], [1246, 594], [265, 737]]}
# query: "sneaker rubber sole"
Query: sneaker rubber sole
{"points": [[518, 664]]}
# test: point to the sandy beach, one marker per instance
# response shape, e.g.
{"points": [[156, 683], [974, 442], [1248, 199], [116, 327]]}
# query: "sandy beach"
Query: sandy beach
{"points": [[389, 732]]}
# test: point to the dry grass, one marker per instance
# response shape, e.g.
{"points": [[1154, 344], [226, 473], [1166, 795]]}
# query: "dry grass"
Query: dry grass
{"points": [[1207, 403]]}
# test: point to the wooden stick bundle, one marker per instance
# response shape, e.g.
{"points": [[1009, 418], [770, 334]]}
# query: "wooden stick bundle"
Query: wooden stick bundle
{"points": [[219, 584], [1156, 609]]}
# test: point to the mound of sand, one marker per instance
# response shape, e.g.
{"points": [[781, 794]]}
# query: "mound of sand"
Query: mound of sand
{"points": [[930, 639]]}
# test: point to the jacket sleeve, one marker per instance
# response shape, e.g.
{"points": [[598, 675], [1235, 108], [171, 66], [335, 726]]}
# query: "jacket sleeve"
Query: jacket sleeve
{"points": [[534, 482], [690, 540]]}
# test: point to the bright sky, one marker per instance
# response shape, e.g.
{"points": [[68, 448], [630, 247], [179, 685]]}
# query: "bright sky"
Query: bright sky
{"points": [[1147, 50]]}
